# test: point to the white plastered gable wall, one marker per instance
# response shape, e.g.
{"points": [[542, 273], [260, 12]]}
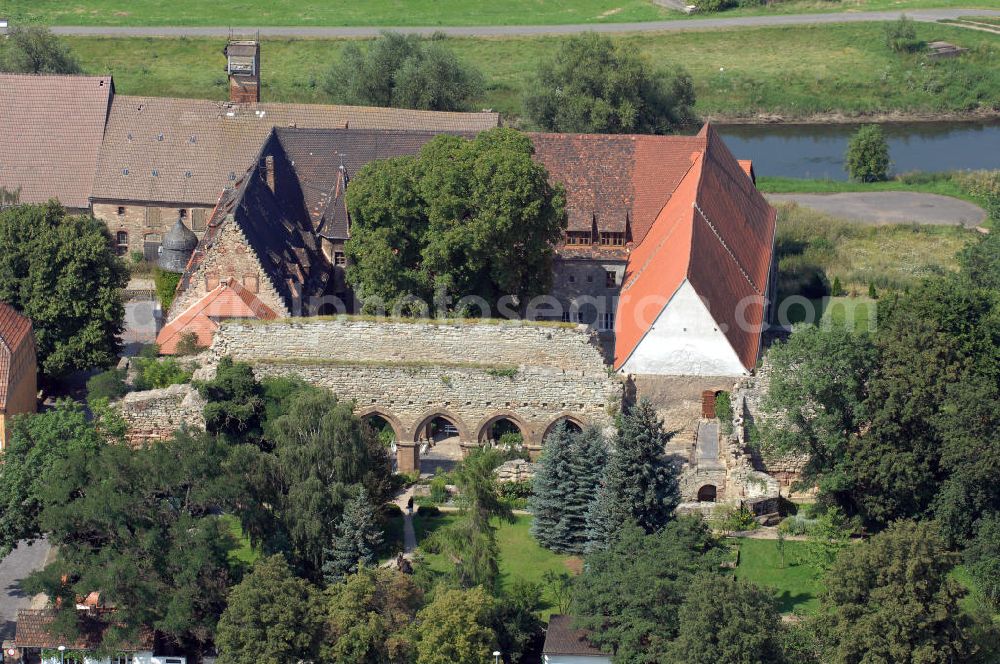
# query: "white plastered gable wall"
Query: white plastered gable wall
{"points": [[684, 341]]}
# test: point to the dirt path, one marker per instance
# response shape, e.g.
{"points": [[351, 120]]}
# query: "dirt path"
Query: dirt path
{"points": [[926, 15], [891, 207]]}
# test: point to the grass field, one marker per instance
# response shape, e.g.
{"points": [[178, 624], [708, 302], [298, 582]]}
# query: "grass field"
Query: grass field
{"points": [[520, 556], [795, 585], [814, 249], [399, 12], [779, 185], [794, 72]]}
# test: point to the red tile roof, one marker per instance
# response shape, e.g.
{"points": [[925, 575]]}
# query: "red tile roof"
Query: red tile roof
{"points": [[229, 300], [717, 231], [15, 332], [51, 129], [32, 631], [611, 178]]}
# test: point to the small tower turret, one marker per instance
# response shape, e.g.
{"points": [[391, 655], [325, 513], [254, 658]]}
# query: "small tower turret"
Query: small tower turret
{"points": [[176, 248]]}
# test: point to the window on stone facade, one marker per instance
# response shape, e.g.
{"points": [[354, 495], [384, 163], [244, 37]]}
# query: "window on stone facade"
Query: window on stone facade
{"points": [[572, 278], [610, 278], [153, 217], [121, 243], [613, 239], [577, 238], [339, 259], [590, 278], [121, 210]]}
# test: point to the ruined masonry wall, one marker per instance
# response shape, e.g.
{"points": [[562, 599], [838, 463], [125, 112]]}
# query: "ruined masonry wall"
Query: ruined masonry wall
{"points": [[156, 414], [409, 372]]}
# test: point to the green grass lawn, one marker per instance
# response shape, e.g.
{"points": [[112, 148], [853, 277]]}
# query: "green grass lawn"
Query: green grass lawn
{"points": [[932, 185], [520, 556], [400, 12], [795, 585], [790, 71]]}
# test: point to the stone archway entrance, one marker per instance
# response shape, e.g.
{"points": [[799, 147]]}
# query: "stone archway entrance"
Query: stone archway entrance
{"points": [[707, 493], [439, 438]]}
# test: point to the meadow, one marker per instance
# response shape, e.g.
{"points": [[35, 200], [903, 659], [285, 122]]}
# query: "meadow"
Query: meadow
{"points": [[789, 72]]}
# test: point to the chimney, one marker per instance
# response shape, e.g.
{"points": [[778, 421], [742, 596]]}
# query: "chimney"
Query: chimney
{"points": [[269, 171], [243, 67]]}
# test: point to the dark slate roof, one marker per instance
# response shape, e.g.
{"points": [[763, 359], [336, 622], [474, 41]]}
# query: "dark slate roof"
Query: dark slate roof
{"points": [[561, 638], [50, 134], [32, 631], [176, 248], [161, 149]]}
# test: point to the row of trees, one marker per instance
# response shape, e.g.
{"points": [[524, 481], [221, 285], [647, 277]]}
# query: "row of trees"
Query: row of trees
{"points": [[583, 494], [591, 84]]}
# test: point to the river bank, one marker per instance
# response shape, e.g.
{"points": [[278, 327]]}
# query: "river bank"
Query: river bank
{"points": [[838, 118]]}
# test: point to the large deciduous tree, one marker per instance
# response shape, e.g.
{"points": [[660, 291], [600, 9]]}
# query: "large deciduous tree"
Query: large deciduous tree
{"points": [[454, 628], [593, 85], [724, 619], [891, 600], [59, 271], [33, 49], [270, 616], [464, 218], [404, 71], [640, 484], [629, 594]]}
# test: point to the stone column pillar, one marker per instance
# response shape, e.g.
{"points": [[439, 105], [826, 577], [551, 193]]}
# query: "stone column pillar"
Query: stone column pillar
{"points": [[407, 457]]}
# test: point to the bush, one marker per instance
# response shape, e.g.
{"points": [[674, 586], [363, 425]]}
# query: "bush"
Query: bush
{"points": [[35, 50], [439, 490], [154, 374], [188, 344], [796, 525], [714, 5], [391, 510], [982, 558], [901, 36], [108, 385], [514, 490], [724, 412], [867, 158], [734, 518], [428, 510]]}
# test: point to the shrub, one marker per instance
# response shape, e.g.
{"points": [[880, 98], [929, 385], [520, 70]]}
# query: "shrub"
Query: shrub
{"points": [[511, 439], [734, 518], [982, 558], [428, 510], [154, 374], [108, 384], [715, 5], [188, 344], [796, 525], [837, 290], [724, 412], [439, 490], [867, 158], [901, 36], [391, 510], [514, 490]]}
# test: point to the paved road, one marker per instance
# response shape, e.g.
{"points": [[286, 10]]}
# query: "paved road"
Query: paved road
{"points": [[891, 207], [522, 30], [20, 563]]}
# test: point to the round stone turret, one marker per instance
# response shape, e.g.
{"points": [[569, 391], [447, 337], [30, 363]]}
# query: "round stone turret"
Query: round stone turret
{"points": [[176, 248]]}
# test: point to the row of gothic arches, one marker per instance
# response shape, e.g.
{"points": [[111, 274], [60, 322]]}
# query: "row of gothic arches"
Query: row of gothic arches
{"points": [[443, 424]]}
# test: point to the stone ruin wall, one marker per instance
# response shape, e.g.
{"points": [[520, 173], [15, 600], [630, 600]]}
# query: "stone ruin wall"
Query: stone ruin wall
{"points": [[410, 371], [155, 414]]}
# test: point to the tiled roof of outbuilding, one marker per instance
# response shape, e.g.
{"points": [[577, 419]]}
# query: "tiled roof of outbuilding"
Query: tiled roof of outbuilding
{"points": [[50, 132], [32, 631], [15, 332], [228, 300], [188, 150], [561, 638]]}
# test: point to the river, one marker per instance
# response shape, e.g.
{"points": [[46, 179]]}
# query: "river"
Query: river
{"points": [[817, 151]]}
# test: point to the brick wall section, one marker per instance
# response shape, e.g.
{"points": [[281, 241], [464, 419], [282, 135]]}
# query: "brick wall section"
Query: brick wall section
{"points": [[410, 372], [140, 221], [156, 414], [231, 256]]}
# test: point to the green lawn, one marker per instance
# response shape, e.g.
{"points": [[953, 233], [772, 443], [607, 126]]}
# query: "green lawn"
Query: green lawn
{"points": [[789, 71], [520, 556], [401, 12], [795, 585], [931, 184]]}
